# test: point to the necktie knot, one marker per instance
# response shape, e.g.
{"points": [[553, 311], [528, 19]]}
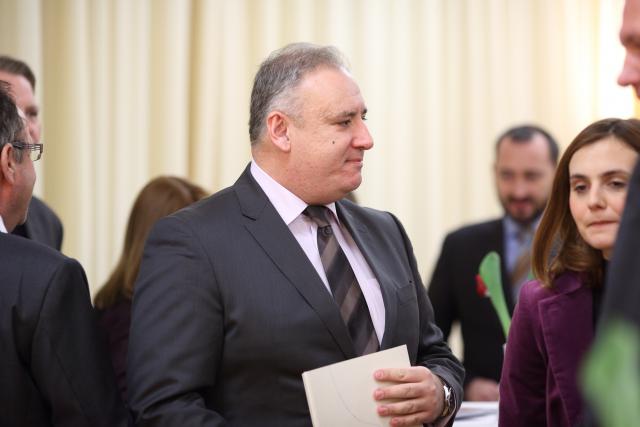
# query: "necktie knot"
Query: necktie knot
{"points": [[524, 234], [319, 215]]}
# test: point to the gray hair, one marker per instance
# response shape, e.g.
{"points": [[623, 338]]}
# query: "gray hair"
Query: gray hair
{"points": [[11, 124], [280, 73]]}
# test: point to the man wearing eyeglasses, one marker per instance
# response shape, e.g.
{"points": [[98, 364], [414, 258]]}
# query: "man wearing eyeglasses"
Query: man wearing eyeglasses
{"points": [[54, 368], [42, 224]]}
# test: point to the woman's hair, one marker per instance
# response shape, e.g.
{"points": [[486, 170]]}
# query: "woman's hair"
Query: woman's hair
{"points": [[558, 246], [162, 196]]}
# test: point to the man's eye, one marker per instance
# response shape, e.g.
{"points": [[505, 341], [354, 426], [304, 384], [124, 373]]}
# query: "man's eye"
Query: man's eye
{"points": [[364, 117], [345, 123]]}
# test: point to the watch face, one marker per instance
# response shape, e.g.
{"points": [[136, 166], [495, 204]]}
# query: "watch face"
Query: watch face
{"points": [[448, 400]]}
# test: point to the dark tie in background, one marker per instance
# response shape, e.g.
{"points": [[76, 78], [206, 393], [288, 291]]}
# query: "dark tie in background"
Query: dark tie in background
{"points": [[343, 283], [522, 267]]}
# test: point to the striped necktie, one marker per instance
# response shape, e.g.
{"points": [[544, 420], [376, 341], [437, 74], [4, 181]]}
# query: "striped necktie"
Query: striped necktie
{"points": [[343, 284], [522, 267]]}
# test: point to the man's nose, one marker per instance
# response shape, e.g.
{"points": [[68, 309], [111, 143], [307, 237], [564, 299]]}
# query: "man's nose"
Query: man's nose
{"points": [[630, 73], [33, 130], [363, 138], [520, 189]]}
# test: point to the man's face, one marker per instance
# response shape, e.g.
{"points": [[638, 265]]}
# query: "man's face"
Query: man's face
{"points": [[329, 137], [524, 174], [630, 38], [25, 100], [24, 180]]}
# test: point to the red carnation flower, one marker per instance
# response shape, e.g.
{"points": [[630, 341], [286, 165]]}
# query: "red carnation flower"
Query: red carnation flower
{"points": [[481, 288]]}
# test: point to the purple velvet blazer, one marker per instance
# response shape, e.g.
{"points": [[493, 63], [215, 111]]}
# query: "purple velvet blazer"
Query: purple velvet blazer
{"points": [[551, 331]]}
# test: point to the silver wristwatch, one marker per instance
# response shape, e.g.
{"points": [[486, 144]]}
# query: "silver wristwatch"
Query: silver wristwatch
{"points": [[449, 404]]}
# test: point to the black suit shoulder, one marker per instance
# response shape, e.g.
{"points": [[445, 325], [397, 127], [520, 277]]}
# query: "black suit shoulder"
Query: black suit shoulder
{"points": [[29, 258], [55, 365], [488, 231], [42, 225]]}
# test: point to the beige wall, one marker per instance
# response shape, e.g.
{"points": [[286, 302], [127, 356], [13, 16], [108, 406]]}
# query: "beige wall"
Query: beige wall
{"points": [[135, 88]]}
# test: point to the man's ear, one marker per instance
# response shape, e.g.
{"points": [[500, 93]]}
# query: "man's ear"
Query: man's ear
{"points": [[278, 129], [7, 163]]}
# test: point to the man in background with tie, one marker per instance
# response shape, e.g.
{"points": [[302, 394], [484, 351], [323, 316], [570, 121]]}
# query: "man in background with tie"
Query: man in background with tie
{"points": [[276, 275], [525, 162], [42, 224]]}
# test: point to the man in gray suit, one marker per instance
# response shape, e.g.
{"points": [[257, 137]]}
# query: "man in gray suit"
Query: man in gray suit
{"points": [[242, 292]]}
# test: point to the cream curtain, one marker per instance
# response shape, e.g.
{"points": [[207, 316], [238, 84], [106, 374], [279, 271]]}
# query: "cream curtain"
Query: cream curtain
{"points": [[135, 88]]}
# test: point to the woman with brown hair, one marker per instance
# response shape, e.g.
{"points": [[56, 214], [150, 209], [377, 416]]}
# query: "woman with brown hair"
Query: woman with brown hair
{"points": [[554, 320], [162, 196]]}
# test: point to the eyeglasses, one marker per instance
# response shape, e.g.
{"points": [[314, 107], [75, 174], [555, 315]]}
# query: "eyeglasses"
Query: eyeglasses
{"points": [[35, 150]]}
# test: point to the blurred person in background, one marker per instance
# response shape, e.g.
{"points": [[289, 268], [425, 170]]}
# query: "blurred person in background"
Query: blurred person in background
{"points": [[162, 196], [526, 157]]}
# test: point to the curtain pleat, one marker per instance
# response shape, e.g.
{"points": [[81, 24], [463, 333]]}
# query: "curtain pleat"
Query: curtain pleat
{"points": [[131, 89]]}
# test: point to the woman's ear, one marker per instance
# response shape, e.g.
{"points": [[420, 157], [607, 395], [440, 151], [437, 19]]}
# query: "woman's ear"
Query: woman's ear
{"points": [[278, 130]]}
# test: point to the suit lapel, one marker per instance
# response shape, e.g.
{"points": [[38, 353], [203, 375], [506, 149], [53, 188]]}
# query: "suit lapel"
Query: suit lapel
{"points": [[567, 320], [272, 234]]}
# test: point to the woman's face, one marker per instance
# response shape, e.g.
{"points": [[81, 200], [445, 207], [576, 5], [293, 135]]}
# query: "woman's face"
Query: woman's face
{"points": [[599, 174]]}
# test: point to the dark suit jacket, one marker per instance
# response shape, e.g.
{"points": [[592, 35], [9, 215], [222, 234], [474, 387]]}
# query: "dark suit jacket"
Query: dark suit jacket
{"points": [[228, 312], [115, 322], [549, 336], [622, 298], [452, 292], [54, 369], [42, 225]]}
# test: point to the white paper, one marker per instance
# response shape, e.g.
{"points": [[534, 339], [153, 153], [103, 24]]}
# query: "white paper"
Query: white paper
{"points": [[342, 394]]}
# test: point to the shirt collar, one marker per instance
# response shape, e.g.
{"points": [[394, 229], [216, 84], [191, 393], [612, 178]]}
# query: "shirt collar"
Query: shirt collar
{"points": [[288, 205], [3, 228], [512, 228]]}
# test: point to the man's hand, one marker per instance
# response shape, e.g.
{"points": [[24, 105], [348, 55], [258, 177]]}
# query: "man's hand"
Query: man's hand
{"points": [[482, 389], [417, 395]]}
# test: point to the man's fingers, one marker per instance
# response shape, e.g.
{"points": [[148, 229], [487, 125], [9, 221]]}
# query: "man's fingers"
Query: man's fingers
{"points": [[400, 391], [402, 375]]}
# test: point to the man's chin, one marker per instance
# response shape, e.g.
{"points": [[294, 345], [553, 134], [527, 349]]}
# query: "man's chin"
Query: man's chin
{"points": [[523, 219]]}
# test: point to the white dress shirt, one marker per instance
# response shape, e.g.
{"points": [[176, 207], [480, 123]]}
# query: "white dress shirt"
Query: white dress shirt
{"points": [[3, 228], [290, 208]]}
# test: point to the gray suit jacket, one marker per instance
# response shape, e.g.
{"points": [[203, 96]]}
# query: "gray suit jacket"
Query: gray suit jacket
{"points": [[228, 312]]}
